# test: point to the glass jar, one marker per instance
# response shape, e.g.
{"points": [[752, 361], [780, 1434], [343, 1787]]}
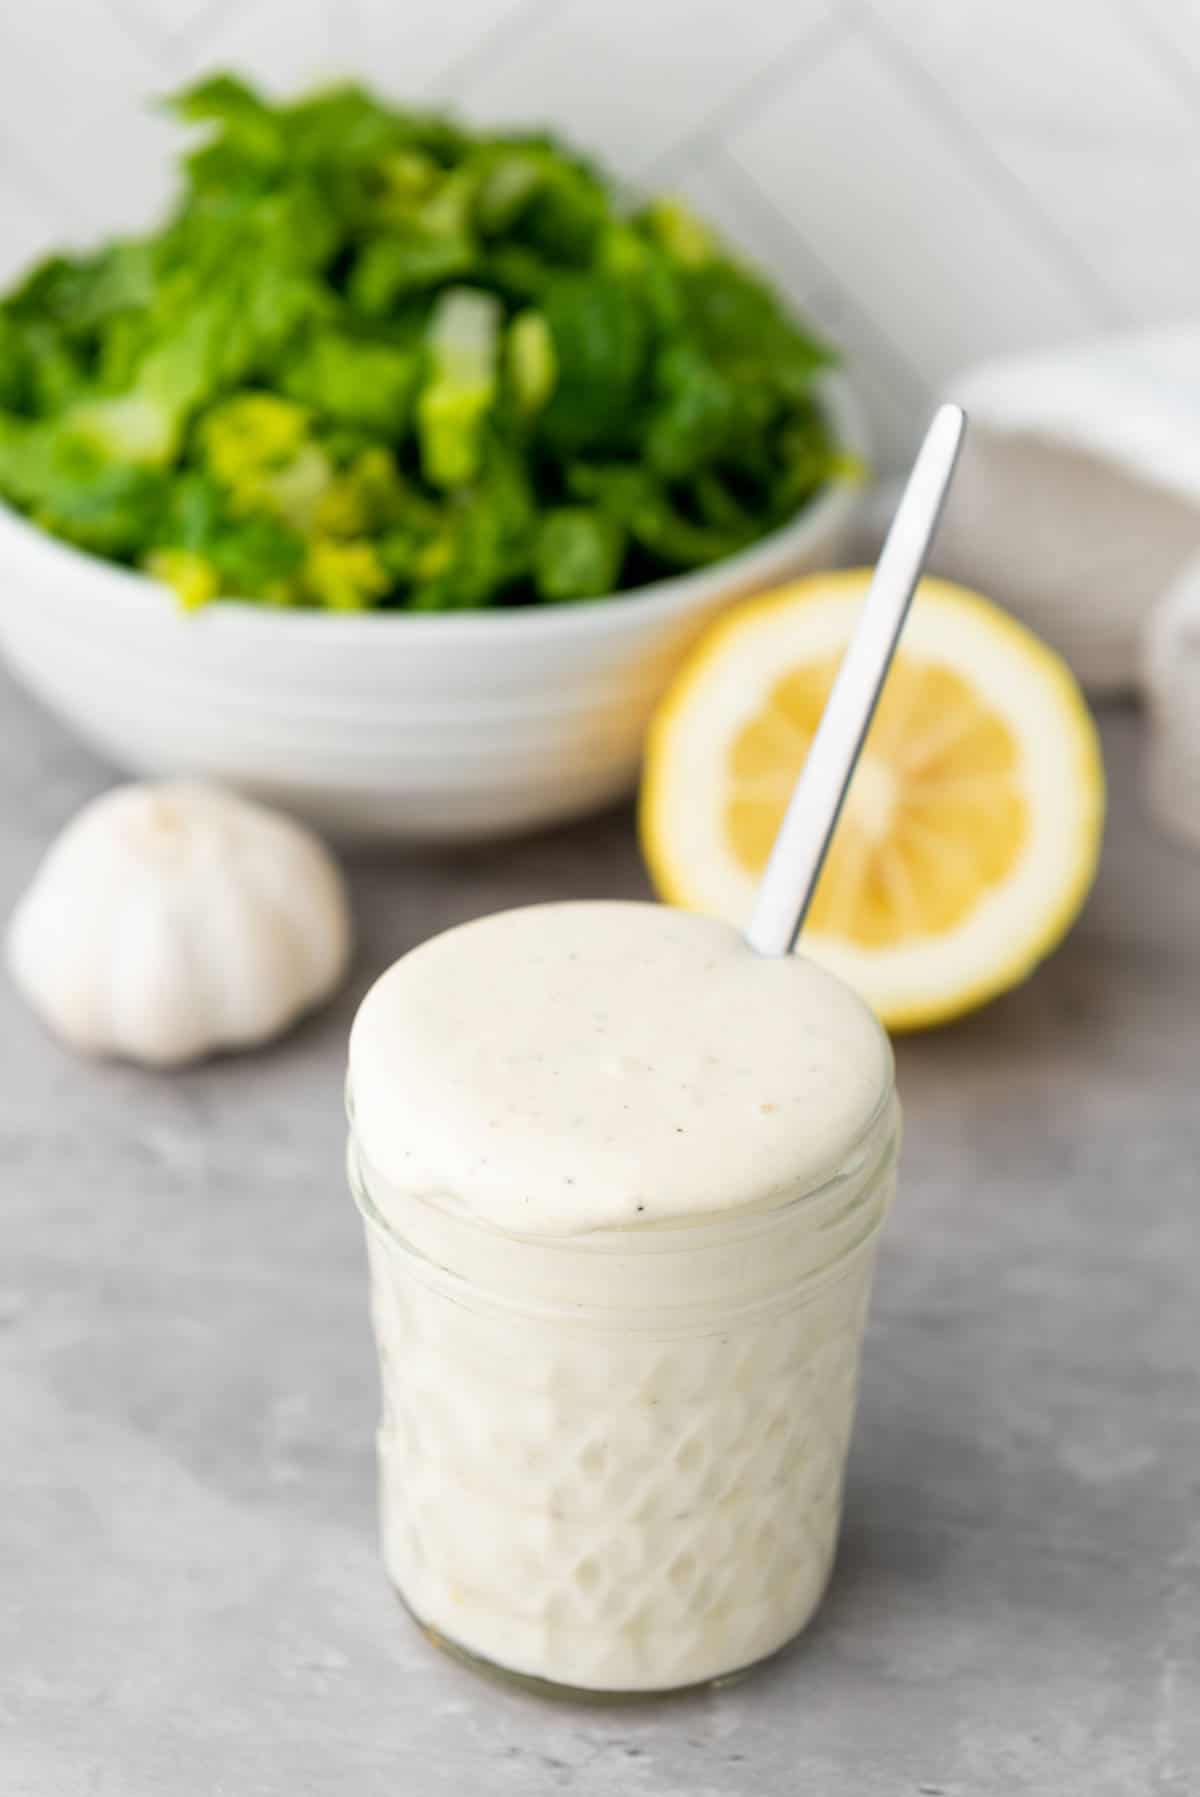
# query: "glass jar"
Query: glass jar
{"points": [[613, 1462]]}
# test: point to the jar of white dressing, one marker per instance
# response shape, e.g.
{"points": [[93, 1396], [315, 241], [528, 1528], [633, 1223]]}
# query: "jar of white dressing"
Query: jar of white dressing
{"points": [[623, 1182]]}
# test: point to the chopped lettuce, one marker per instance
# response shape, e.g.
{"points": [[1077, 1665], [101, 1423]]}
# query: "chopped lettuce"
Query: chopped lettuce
{"points": [[460, 388], [578, 554], [375, 359]]}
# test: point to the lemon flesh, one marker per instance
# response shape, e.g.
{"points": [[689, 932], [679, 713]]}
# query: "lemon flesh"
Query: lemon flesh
{"points": [[972, 827]]}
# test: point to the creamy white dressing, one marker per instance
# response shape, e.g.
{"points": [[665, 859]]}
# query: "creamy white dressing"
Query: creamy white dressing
{"points": [[622, 1181], [581, 1066]]}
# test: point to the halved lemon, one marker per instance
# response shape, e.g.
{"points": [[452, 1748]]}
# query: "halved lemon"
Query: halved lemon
{"points": [[971, 831]]}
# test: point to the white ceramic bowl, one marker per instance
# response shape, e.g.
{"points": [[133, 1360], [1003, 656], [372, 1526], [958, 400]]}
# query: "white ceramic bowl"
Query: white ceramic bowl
{"points": [[383, 725]]}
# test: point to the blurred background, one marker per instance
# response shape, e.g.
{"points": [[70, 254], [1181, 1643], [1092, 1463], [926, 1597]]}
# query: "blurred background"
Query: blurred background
{"points": [[936, 181]]}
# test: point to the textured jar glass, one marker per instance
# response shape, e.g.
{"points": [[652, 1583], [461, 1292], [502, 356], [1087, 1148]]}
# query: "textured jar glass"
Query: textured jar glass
{"points": [[589, 1480]]}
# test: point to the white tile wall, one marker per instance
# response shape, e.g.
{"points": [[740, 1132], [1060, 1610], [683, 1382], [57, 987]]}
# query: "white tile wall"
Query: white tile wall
{"points": [[933, 179]]}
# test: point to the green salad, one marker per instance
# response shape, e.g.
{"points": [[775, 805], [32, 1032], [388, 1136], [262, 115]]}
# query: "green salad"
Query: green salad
{"points": [[375, 359]]}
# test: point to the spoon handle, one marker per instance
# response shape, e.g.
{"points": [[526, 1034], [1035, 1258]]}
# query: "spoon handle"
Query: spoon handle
{"points": [[785, 894]]}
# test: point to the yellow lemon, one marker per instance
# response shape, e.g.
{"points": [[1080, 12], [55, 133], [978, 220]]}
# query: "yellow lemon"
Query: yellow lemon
{"points": [[972, 827]]}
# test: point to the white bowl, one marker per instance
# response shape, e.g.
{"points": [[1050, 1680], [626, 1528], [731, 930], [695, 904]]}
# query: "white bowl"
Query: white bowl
{"points": [[379, 725]]}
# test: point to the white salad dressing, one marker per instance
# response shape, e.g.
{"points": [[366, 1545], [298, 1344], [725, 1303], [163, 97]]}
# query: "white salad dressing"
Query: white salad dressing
{"points": [[622, 1178], [589, 1065]]}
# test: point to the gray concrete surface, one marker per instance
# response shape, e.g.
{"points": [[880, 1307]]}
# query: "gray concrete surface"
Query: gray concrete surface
{"points": [[190, 1599]]}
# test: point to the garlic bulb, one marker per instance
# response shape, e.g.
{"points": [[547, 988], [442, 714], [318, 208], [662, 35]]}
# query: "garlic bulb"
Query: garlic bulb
{"points": [[172, 920]]}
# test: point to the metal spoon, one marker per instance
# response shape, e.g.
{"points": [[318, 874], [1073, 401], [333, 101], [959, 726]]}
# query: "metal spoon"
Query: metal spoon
{"points": [[799, 851]]}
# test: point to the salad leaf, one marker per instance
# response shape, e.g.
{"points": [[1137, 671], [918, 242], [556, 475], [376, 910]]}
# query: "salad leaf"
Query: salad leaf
{"points": [[532, 365], [110, 508], [463, 346], [344, 576], [484, 543], [599, 339], [374, 358], [194, 578], [578, 553], [697, 412]]}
